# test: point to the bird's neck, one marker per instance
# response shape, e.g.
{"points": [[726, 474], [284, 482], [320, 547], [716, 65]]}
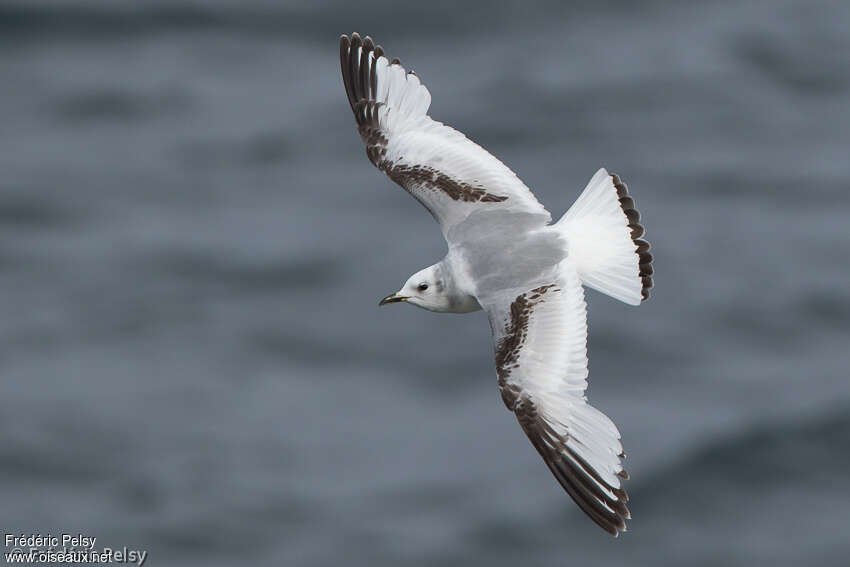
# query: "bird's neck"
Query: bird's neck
{"points": [[460, 297]]}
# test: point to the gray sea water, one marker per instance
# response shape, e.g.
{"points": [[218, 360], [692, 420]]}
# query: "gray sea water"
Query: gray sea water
{"points": [[193, 244]]}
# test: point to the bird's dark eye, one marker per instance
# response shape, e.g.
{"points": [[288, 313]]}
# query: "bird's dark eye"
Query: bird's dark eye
{"points": [[423, 286]]}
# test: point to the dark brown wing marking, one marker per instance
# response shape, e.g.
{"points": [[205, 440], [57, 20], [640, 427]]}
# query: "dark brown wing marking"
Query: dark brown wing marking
{"points": [[421, 176], [509, 345], [361, 85], [578, 478], [645, 258]]}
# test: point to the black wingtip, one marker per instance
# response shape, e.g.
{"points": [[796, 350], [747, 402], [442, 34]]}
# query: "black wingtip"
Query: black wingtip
{"points": [[603, 503]]}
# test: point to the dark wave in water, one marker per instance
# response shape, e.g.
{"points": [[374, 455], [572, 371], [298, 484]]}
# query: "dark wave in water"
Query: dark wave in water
{"points": [[207, 268], [769, 456], [32, 212], [108, 20], [92, 21], [262, 149], [117, 105], [788, 62]]}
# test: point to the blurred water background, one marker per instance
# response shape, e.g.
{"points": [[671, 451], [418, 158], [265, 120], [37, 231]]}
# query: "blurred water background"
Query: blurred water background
{"points": [[193, 244]]}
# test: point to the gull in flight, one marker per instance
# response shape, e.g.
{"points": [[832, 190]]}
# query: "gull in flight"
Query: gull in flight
{"points": [[505, 256]]}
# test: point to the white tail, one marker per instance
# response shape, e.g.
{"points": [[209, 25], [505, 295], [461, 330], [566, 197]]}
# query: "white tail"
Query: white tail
{"points": [[603, 233]]}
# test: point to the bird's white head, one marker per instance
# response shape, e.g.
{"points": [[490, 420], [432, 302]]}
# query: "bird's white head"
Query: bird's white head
{"points": [[434, 289], [426, 289]]}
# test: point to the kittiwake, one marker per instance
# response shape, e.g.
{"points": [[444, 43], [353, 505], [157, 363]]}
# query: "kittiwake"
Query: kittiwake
{"points": [[505, 256]]}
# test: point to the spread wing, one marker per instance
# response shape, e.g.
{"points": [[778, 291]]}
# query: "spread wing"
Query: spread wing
{"points": [[541, 361], [446, 172]]}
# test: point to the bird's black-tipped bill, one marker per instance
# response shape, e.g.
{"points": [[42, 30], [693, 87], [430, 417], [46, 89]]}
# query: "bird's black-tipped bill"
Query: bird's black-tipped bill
{"points": [[394, 298]]}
